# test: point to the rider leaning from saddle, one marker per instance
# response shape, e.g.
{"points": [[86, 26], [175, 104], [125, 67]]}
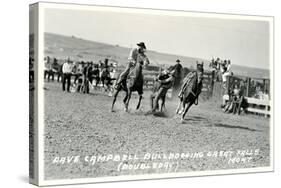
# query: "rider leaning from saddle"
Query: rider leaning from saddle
{"points": [[137, 54], [166, 79]]}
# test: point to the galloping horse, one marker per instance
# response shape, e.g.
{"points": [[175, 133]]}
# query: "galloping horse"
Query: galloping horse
{"points": [[191, 90], [134, 82]]}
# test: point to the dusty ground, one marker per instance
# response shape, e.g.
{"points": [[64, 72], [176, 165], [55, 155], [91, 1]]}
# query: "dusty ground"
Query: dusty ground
{"points": [[79, 124]]}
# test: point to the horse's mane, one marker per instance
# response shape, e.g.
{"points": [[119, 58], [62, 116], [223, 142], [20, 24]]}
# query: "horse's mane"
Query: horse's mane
{"points": [[193, 86], [136, 71]]}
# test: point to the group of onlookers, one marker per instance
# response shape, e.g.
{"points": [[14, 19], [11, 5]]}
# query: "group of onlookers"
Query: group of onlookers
{"points": [[221, 69], [234, 102], [83, 74], [257, 90], [233, 95]]}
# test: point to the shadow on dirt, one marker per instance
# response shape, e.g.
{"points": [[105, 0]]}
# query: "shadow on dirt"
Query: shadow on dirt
{"points": [[163, 114], [196, 118], [97, 94], [234, 127]]}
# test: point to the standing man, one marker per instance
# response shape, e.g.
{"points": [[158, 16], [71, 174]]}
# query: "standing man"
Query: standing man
{"points": [[86, 88], [47, 62], [135, 55], [87, 74], [178, 76], [78, 71], [96, 74], [106, 62], [51, 73], [66, 77], [90, 72], [59, 73]]}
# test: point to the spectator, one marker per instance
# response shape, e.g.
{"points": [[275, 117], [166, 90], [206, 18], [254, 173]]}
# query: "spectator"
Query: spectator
{"points": [[258, 92], [229, 104], [224, 76], [78, 71], [51, 72], [242, 101], [236, 99], [80, 85], [105, 62], [177, 77], [105, 77], [96, 74], [66, 77], [226, 72], [228, 65], [74, 71], [47, 61], [90, 72], [86, 77], [265, 95], [60, 74]]}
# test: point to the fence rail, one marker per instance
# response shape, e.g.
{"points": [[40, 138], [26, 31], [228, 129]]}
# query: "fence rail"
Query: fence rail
{"points": [[258, 106]]}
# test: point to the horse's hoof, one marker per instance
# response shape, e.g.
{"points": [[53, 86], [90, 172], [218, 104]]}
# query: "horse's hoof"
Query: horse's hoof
{"points": [[125, 109], [153, 112], [182, 120]]}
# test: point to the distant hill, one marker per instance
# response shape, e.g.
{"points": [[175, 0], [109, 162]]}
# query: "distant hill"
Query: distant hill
{"points": [[61, 47]]}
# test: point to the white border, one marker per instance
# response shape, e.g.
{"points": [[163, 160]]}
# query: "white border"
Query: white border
{"points": [[44, 5], [41, 93]]}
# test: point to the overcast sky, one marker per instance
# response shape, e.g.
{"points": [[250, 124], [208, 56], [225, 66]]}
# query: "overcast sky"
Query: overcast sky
{"points": [[243, 42]]}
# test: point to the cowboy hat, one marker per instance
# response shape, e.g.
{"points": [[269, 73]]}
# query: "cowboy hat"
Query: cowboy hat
{"points": [[141, 44], [178, 61]]}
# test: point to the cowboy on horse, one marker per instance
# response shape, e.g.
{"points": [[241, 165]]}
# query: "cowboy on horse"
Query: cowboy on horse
{"points": [[131, 79], [191, 89], [135, 54]]}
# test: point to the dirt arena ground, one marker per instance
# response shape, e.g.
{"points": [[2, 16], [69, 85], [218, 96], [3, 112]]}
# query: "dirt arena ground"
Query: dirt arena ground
{"points": [[82, 125]]}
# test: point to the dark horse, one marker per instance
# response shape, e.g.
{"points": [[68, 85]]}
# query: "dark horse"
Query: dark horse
{"points": [[191, 90], [134, 82]]}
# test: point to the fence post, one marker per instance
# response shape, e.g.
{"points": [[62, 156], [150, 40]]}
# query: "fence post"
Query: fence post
{"points": [[266, 109], [248, 86], [263, 85]]}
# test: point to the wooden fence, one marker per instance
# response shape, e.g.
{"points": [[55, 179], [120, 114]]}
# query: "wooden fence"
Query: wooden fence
{"points": [[258, 106]]}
